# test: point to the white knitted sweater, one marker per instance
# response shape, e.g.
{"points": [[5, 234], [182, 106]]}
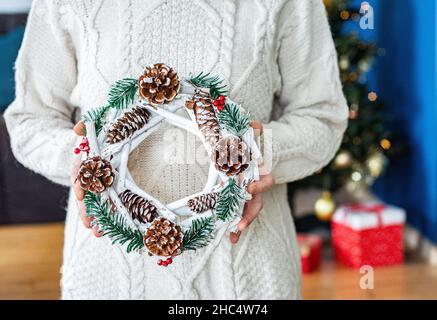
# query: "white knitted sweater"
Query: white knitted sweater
{"points": [[279, 59]]}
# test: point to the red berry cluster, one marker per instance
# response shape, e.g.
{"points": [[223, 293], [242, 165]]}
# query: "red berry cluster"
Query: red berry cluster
{"points": [[165, 263], [219, 103], [83, 147]]}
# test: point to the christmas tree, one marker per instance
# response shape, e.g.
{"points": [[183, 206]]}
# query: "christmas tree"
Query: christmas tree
{"points": [[368, 144]]}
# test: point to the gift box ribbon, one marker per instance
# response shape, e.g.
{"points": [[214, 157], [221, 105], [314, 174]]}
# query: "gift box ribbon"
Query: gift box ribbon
{"points": [[375, 208]]}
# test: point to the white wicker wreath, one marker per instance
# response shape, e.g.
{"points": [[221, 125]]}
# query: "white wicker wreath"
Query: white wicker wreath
{"points": [[135, 108]]}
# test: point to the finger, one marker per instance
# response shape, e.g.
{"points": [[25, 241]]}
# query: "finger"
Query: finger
{"points": [[252, 209], [234, 237], [75, 169], [248, 219], [265, 183], [87, 221], [243, 224], [257, 127], [79, 128], [78, 191], [96, 231]]}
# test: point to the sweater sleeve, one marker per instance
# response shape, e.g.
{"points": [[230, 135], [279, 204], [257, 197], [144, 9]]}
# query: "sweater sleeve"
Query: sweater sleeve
{"points": [[312, 109], [39, 121]]}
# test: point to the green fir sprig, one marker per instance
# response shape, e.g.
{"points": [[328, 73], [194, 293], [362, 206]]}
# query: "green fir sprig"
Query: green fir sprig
{"points": [[233, 120], [122, 93], [213, 83], [230, 201], [96, 116], [112, 225], [120, 96], [199, 234]]}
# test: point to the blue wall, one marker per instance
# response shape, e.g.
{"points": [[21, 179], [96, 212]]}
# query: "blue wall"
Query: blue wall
{"points": [[406, 80], [9, 46]]}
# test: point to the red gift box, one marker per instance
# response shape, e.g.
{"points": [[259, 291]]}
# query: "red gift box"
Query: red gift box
{"points": [[310, 252], [368, 234]]}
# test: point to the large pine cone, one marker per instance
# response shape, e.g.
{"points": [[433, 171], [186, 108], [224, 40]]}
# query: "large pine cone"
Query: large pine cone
{"points": [[203, 202], [95, 175], [159, 84], [231, 155], [141, 209], [205, 117], [126, 125], [164, 238]]}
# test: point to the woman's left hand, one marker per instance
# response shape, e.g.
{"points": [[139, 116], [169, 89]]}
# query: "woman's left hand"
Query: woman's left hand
{"points": [[253, 207]]}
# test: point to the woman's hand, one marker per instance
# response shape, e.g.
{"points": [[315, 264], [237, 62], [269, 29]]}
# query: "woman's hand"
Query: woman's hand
{"points": [[79, 129], [254, 206]]}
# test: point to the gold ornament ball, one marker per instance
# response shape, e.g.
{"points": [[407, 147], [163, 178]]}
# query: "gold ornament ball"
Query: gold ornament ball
{"points": [[343, 159], [325, 207]]}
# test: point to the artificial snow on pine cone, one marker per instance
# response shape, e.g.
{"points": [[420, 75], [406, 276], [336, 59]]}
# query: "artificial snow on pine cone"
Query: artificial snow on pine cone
{"points": [[203, 202], [205, 117], [125, 126], [159, 84], [231, 155], [164, 238], [140, 209], [95, 175]]}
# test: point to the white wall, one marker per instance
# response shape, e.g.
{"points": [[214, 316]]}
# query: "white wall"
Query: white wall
{"points": [[14, 6]]}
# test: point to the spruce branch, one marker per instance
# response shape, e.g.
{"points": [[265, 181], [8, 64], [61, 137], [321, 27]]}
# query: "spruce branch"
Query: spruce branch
{"points": [[230, 201], [97, 116], [112, 225], [122, 93], [199, 235], [213, 83], [233, 119]]}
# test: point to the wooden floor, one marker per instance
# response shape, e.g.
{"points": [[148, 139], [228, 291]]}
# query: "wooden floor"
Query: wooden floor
{"points": [[30, 259]]}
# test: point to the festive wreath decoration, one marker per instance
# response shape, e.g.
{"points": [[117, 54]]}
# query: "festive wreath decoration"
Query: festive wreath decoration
{"points": [[130, 216]]}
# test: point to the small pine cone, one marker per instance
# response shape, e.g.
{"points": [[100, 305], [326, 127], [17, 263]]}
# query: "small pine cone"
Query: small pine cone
{"points": [[231, 155], [205, 117], [164, 238], [95, 175], [159, 84], [203, 202], [141, 209], [127, 124]]}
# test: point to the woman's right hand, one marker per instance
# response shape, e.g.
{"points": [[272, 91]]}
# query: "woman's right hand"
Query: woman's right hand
{"points": [[79, 129]]}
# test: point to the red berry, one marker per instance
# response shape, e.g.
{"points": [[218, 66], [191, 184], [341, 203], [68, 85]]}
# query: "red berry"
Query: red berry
{"points": [[220, 108], [160, 262], [216, 103], [169, 260], [164, 263], [76, 151], [222, 99]]}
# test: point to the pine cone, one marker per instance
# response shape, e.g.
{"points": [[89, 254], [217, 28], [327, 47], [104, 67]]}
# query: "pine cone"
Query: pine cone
{"points": [[203, 202], [141, 209], [205, 117], [159, 84], [126, 125], [164, 238], [95, 175], [231, 155]]}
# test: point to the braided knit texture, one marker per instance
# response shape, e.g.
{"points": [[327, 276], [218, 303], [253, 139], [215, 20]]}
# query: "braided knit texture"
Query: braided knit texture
{"points": [[279, 61]]}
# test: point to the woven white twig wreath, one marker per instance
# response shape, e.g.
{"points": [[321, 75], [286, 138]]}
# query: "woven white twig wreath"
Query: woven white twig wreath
{"points": [[135, 107]]}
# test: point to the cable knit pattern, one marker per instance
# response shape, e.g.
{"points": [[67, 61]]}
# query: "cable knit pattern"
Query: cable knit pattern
{"points": [[280, 63]]}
